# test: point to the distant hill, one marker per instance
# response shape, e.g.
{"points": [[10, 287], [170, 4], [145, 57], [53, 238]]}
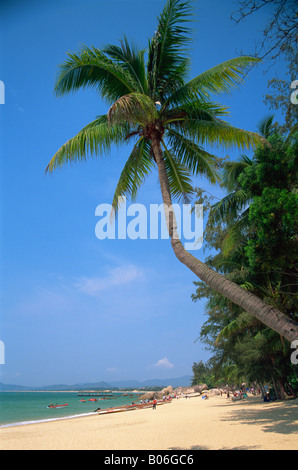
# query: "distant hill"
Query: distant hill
{"points": [[82, 386], [6, 387], [174, 382]]}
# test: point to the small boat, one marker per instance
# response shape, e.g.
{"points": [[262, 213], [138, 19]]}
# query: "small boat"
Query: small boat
{"points": [[112, 410], [57, 406], [134, 406]]}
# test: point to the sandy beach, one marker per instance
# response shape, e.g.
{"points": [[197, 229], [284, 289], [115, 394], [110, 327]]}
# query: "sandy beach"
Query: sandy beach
{"points": [[184, 424]]}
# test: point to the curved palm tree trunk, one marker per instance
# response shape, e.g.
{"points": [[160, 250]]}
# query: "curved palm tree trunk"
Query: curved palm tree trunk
{"points": [[252, 304]]}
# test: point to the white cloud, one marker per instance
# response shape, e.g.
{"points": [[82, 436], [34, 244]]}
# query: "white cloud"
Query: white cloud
{"points": [[115, 277], [164, 364]]}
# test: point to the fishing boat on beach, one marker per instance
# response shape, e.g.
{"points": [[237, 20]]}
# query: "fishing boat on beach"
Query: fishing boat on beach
{"points": [[134, 406], [57, 406]]}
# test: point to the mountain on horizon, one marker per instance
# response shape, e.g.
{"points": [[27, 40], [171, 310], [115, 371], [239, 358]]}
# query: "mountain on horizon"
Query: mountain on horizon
{"points": [[184, 381], [102, 385]]}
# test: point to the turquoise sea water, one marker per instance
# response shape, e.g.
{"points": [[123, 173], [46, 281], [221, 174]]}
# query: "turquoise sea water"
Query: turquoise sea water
{"points": [[18, 408]]}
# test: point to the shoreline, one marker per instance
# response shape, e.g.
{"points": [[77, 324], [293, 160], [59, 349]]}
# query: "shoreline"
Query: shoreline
{"points": [[72, 391], [35, 411], [108, 410], [45, 420], [185, 424]]}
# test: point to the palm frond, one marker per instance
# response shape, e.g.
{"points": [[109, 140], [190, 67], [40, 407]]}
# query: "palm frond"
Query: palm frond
{"points": [[137, 167], [135, 108], [179, 177], [248, 286], [265, 126], [196, 109], [95, 138], [223, 77], [218, 132], [91, 68], [167, 63], [270, 340], [242, 322], [132, 60], [192, 156], [233, 170], [219, 79], [234, 235], [229, 206]]}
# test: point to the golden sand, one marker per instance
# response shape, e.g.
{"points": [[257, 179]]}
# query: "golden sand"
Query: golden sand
{"points": [[184, 424]]}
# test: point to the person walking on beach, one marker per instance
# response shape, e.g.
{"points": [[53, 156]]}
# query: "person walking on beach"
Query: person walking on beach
{"points": [[154, 404]]}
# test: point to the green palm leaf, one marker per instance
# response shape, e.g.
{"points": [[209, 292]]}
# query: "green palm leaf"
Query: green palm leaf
{"points": [[137, 167], [192, 156], [131, 60], [95, 138], [223, 77], [166, 65], [135, 108], [178, 176], [234, 206], [196, 109], [235, 234], [233, 170], [218, 132], [229, 206], [219, 79], [91, 68], [265, 126], [242, 322]]}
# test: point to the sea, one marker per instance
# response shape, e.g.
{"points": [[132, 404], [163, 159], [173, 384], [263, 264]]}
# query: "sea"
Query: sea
{"points": [[21, 408]]}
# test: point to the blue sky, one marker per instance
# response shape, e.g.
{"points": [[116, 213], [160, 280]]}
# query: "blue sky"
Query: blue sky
{"points": [[74, 308]]}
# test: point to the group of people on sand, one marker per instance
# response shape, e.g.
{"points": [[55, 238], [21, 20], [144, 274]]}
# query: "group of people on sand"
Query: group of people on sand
{"points": [[238, 394], [242, 393]]}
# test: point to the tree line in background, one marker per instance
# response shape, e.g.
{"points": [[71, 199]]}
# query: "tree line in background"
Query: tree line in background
{"points": [[253, 233]]}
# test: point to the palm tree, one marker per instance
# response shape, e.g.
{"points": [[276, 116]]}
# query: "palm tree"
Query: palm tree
{"points": [[169, 120]]}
